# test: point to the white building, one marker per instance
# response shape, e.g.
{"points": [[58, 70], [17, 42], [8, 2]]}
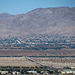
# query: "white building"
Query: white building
{"points": [[4, 72], [34, 72]]}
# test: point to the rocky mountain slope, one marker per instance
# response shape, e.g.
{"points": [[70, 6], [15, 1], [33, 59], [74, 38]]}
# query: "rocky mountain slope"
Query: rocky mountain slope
{"points": [[57, 20]]}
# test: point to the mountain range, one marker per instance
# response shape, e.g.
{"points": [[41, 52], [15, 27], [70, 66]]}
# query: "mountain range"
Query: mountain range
{"points": [[52, 20]]}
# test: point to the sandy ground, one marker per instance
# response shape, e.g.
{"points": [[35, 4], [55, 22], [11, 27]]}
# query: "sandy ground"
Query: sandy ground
{"points": [[16, 61], [56, 62], [23, 61]]}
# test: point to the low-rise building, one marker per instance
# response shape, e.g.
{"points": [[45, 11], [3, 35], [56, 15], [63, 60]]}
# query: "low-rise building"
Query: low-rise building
{"points": [[15, 72], [67, 71], [33, 72], [44, 72], [3, 72]]}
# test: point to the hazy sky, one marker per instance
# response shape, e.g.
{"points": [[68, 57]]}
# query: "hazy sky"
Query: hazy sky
{"points": [[24, 6]]}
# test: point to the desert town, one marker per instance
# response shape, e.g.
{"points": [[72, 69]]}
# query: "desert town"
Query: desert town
{"points": [[37, 65]]}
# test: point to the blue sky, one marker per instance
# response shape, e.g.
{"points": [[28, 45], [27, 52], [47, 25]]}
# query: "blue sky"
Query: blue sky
{"points": [[24, 6]]}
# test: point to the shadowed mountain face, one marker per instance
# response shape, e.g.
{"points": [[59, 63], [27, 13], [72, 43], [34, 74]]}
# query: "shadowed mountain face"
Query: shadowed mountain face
{"points": [[59, 20]]}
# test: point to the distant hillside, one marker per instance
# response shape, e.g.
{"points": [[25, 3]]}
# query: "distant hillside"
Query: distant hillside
{"points": [[57, 20]]}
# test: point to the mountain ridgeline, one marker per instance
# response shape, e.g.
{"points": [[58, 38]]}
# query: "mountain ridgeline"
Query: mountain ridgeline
{"points": [[56, 20]]}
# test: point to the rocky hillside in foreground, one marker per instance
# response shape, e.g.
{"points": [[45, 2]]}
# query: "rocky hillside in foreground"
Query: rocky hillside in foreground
{"points": [[57, 20]]}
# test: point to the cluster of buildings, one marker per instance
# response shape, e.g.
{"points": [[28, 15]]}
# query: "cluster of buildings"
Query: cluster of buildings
{"points": [[32, 40], [60, 72], [8, 73], [67, 71]]}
